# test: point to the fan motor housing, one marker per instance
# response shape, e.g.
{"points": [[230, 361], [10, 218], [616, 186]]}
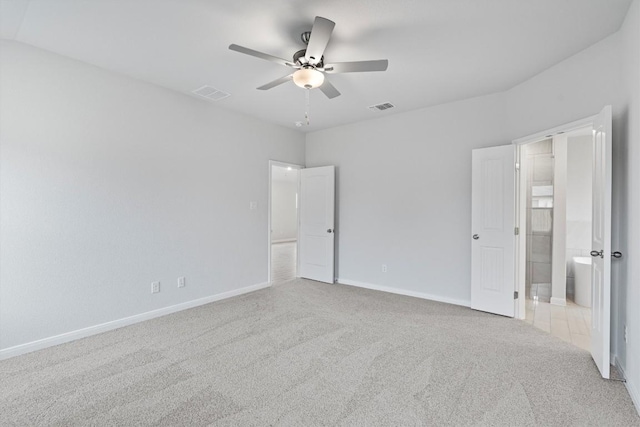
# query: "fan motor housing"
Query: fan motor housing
{"points": [[298, 58]]}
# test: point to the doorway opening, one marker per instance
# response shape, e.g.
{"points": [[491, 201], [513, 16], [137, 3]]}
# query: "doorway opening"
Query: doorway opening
{"points": [[496, 230], [283, 221], [556, 205]]}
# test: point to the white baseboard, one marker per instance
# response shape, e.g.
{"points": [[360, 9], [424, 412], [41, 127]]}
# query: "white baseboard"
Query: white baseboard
{"points": [[415, 294], [284, 240], [632, 389], [115, 324], [558, 301], [635, 395]]}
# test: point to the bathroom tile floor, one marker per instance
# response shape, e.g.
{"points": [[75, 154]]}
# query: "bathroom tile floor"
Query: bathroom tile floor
{"points": [[571, 323]]}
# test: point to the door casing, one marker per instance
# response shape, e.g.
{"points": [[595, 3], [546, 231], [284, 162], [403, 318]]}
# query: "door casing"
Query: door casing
{"points": [[521, 218]]}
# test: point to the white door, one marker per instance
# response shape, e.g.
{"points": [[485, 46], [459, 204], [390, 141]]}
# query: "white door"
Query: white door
{"points": [[492, 229], [601, 242], [317, 203]]}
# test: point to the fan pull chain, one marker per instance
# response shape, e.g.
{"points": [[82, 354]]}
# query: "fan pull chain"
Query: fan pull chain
{"points": [[306, 113]]}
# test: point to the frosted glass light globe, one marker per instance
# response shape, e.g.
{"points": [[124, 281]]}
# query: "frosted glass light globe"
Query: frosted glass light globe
{"points": [[308, 78]]}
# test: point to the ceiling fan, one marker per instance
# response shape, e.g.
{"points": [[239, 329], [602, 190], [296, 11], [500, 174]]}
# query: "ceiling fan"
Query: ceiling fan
{"points": [[309, 62]]}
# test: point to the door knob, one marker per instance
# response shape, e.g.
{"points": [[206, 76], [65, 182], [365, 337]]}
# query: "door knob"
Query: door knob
{"points": [[476, 237], [329, 230], [597, 253]]}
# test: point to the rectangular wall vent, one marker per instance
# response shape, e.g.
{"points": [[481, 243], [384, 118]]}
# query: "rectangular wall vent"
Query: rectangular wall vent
{"points": [[382, 107], [211, 93]]}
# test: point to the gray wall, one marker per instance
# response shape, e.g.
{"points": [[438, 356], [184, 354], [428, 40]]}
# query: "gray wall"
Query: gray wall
{"points": [[404, 185], [404, 194], [627, 192], [605, 73], [109, 184]]}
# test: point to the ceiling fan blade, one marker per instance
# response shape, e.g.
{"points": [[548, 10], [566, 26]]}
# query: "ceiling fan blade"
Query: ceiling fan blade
{"points": [[357, 66], [329, 90], [276, 82], [261, 55], [320, 35]]}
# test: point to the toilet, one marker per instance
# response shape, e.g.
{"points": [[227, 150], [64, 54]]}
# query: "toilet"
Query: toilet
{"points": [[582, 268]]}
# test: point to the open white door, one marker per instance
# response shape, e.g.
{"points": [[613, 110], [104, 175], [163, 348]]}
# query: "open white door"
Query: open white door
{"points": [[492, 228], [317, 204], [601, 242]]}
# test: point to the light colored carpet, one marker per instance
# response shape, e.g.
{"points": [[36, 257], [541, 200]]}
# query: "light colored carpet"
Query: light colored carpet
{"points": [[304, 353]]}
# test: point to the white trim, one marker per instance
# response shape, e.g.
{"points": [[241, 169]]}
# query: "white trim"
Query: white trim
{"points": [[404, 292], [284, 240], [273, 163], [635, 395], [126, 321], [539, 136], [558, 301], [520, 221], [560, 150], [631, 388]]}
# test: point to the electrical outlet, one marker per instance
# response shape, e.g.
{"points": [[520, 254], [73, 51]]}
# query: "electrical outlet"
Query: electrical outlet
{"points": [[384, 268], [155, 287], [181, 282], [253, 206]]}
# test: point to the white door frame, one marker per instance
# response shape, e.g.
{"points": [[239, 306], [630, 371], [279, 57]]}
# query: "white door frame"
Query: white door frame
{"points": [[273, 163], [521, 218]]}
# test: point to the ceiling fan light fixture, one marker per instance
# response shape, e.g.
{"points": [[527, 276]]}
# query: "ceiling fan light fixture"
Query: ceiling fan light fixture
{"points": [[308, 78]]}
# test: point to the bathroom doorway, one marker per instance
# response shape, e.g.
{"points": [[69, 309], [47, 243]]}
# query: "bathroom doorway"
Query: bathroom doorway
{"points": [[601, 252], [556, 182]]}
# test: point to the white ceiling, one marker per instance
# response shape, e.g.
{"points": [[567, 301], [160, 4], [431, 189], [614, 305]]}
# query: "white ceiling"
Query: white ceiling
{"points": [[439, 50]]}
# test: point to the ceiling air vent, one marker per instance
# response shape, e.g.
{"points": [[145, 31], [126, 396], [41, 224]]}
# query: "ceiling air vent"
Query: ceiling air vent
{"points": [[382, 107], [211, 93]]}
